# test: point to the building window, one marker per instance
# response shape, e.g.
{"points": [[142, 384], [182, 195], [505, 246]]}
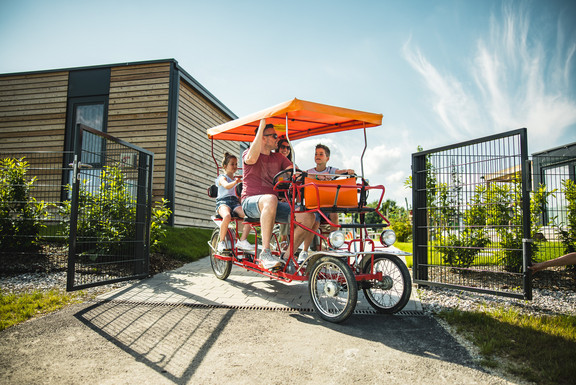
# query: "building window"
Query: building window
{"points": [[91, 115]]}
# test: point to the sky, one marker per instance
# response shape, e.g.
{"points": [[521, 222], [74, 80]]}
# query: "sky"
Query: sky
{"points": [[440, 71]]}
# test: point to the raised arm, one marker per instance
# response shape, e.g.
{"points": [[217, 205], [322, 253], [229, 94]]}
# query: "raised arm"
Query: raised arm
{"points": [[256, 146]]}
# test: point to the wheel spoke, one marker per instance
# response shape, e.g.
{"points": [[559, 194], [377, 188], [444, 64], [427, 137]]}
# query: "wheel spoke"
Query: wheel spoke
{"points": [[330, 288], [392, 292]]}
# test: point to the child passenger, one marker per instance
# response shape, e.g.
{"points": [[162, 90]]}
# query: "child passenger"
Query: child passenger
{"points": [[227, 202], [321, 158], [321, 172]]}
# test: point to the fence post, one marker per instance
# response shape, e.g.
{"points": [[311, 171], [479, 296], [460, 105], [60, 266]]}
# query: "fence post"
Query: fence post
{"points": [[71, 273], [419, 217]]}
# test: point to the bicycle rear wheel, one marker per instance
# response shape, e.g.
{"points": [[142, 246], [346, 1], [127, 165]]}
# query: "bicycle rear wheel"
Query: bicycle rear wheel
{"points": [[392, 293], [220, 268]]}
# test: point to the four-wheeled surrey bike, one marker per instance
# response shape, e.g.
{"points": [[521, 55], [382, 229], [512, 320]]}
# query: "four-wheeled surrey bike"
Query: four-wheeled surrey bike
{"points": [[349, 258]]}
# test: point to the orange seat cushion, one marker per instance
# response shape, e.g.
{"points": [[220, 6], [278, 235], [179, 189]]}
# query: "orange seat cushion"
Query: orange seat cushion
{"points": [[347, 197]]}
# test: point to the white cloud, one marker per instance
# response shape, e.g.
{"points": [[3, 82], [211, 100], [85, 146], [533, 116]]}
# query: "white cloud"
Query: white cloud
{"points": [[514, 80], [521, 83], [454, 106]]}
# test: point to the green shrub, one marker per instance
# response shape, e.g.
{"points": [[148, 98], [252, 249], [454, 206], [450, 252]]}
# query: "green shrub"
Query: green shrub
{"points": [[403, 229], [511, 236], [160, 215], [568, 230], [21, 216], [107, 216], [460, 248]]}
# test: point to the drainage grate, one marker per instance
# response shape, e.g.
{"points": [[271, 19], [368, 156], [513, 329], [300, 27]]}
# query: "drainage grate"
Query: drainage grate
{"points": [[254, 308]]}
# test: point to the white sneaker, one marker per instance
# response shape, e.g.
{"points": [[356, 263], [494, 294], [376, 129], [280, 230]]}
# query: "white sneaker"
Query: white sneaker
{"points": [[268, 261], [221, 246], [244, 245], [302, 257]]}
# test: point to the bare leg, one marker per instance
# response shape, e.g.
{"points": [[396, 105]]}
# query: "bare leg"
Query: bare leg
{"points": [[334, 219], [309, 236], [267, 205], [246, 227], [224, 212], [301, 235]]}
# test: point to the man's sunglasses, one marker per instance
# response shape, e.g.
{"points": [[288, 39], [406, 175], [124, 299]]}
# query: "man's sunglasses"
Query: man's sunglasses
{"points": [[275, 136]]}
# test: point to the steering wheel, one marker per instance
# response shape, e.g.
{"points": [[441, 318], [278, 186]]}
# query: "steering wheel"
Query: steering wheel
{"points": [[285, 183], [289, 174]]}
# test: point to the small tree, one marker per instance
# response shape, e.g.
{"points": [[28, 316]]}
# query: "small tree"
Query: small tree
{"points": [[568, 230], [508, 218]]}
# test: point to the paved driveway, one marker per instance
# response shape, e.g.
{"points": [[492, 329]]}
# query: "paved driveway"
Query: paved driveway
{"points": [[195, 284], [188, 327]]}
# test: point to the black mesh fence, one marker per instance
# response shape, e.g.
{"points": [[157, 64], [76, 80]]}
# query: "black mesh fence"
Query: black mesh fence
{"points": [[483, 211], [554, 227], [87, 211], [33, 220], [110, 210]]}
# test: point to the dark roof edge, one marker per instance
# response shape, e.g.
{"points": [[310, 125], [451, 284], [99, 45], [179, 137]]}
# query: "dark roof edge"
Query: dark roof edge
{"points": [[207, 94], [92, 67], [183, 73], [565, 146]]}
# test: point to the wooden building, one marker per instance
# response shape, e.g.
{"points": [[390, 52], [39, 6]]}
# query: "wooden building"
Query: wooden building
{"points": [[155, 105]]}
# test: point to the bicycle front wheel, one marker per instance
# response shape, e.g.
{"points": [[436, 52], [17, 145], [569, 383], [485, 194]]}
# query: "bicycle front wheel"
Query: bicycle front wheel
{"points": [[333, 289]]}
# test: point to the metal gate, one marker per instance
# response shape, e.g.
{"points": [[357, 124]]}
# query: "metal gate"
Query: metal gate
{"points": [[110, 210], [471, 215]]}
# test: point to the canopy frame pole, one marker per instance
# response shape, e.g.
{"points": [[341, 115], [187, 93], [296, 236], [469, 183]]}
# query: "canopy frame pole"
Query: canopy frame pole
{"points": [[363, 151], [213, 157], [291, 148]]}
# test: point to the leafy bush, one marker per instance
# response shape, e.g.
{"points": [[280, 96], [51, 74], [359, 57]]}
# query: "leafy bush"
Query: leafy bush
{"points": [[160, 215], [21, 216], [107, 216], [508, 209], [461, 248], [399, 219], [403, 229], [568, 231]]}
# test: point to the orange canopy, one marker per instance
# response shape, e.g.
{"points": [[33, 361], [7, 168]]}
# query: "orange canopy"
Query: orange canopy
{"points": [[304, 119]]}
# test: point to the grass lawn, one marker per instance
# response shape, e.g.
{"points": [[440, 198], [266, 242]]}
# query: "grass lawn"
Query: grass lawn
{"points": [[535, 348], [185, 243], [406, 246], [16, 308]]}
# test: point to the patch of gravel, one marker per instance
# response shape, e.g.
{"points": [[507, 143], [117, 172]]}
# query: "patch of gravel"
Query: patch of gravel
{"points": [[46, 281], [544, 301], [47, 271]]}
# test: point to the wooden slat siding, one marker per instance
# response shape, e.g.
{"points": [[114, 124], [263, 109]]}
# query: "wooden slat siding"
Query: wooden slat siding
{"points": [[33, 118], [138, 112], [195, 168]]}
